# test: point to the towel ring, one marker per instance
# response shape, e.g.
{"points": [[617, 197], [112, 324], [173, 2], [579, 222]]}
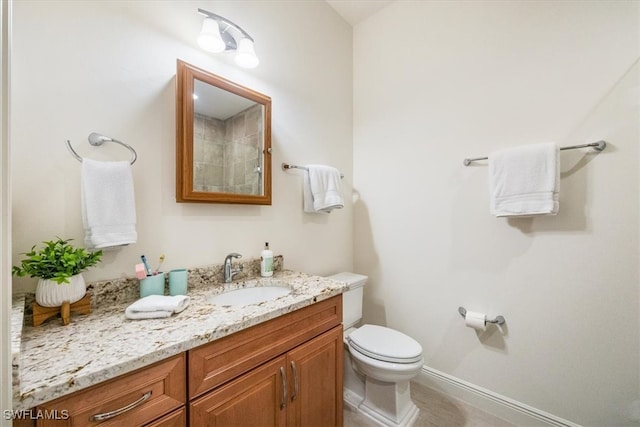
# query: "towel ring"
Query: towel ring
{"points": [[97, 139]]}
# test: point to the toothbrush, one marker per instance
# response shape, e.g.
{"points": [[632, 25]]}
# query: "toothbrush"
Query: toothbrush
{"points": [[146, 264], [159, 264]]}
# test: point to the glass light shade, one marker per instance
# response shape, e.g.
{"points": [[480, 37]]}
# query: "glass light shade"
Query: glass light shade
{"points": [[209, 38], [246, 56]]}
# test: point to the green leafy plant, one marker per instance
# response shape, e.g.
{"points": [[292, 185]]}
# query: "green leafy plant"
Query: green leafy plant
{"points": [[57, 261]]}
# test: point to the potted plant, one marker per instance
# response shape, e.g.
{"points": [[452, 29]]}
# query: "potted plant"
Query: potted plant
{"points": [[58, 266]]}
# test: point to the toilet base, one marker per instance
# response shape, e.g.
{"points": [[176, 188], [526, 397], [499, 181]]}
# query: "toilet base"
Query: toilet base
{"points": [[407, 421], [351, 400], [389, 403], [386, 404]]}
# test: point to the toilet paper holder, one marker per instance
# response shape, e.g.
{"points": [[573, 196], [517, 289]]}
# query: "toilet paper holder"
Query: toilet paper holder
{"points": [[498, 320]]}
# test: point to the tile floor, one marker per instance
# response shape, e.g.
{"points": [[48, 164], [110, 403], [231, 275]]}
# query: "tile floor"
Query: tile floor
{"points": [[436, 410]]}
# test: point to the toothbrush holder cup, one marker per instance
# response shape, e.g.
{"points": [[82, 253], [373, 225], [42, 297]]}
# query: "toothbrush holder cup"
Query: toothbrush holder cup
{"points": [[178, 281], [152, 285]]}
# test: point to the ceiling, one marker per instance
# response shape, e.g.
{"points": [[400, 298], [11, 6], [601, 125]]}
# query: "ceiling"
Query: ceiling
{"points": [[355, 11]]}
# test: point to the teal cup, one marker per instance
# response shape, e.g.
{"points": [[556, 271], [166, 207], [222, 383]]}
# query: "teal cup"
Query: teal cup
{"points": [[178, 282], [152, 285]]}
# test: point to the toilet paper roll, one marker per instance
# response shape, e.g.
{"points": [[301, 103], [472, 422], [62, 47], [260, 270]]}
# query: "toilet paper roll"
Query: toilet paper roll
{"points": [[476, 320]]}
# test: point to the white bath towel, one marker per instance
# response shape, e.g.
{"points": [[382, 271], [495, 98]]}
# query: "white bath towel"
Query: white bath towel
{"points": [[322, 189], [108, 204], [525, 181], [156, 306]]}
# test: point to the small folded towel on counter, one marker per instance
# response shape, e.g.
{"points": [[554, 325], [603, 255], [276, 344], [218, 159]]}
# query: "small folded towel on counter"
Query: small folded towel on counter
{"points": [[108, 204], [525, 181], [322, 188], [157, 306]]}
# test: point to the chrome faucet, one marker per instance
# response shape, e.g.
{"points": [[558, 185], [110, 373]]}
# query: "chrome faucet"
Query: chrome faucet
{"points": [[229, 271]]}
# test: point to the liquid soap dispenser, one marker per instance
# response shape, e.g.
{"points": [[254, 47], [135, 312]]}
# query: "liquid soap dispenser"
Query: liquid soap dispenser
{"points": [[266, 261]]}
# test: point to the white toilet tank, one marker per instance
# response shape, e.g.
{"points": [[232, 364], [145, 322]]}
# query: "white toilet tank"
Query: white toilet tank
{"points": [[352, 298]]}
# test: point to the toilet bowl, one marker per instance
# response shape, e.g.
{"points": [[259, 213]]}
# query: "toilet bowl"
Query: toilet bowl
{"points": [[379, 362], [385, 354]]}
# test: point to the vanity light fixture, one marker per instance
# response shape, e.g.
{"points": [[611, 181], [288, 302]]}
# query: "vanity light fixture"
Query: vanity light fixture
{"points": [[221, 35]]}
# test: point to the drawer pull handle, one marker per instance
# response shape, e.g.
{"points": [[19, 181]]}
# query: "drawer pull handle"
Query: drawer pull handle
{"points": [[295, 381], [283, 376], [115, 413]]}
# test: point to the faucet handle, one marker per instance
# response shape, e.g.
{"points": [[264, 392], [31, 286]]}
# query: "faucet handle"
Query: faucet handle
{"points": [[229, 258]]}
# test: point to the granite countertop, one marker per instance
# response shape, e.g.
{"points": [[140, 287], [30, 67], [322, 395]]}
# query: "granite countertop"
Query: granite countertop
{"points": [[52, 360]]}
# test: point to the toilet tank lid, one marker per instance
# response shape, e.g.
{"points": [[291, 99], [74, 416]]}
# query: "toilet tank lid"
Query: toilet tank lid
{"points": [[352, 279]]}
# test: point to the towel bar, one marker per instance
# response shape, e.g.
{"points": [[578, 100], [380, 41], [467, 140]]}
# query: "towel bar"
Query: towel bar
{"points": [[498, 320], [96, 139], [598, 146], [286, 166]]}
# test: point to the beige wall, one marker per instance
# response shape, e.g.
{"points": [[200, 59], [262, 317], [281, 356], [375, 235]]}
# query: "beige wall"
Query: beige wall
{"points": [[451, 80], [109, 67]]}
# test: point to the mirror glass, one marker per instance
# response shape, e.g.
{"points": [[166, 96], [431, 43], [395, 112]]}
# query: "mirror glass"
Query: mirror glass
{"points": [[223, 142]]}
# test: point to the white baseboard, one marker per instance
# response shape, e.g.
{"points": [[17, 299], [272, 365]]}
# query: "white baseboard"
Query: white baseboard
{"points": [[501, 406]]}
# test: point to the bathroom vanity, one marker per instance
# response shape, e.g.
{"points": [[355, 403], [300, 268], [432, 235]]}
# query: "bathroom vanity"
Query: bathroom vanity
{"points": [[285, 372], [272, 363]]}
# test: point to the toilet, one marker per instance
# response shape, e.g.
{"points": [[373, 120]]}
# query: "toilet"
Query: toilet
{"points": [[379, 362]]}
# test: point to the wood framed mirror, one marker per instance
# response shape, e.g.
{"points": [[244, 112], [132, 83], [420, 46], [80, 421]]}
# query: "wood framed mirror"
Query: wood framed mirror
{"points": [[223, 140]]}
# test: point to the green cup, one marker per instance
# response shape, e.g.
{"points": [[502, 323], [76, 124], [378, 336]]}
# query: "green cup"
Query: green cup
{"points": [[152, 285], [178, 282]]}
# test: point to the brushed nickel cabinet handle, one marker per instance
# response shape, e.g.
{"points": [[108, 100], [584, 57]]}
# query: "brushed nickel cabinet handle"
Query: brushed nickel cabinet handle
{"points": [[115, 413], [283, 376], [295, 381]]}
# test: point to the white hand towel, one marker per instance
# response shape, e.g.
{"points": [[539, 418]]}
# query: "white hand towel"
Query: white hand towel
{"points": [[306, 193], [156, 306], [108, 204], [525, 181], [322, 189]]}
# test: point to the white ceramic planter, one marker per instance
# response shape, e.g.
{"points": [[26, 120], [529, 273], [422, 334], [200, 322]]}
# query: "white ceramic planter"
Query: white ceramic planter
{"points": [[52, 294]]}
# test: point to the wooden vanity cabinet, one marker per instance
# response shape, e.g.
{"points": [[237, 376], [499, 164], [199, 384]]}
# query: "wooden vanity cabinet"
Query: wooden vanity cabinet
{"points": [[284, 372]]}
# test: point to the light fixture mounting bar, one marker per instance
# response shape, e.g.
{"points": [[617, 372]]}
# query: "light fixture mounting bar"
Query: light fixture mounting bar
{"points": [[225, 21]]}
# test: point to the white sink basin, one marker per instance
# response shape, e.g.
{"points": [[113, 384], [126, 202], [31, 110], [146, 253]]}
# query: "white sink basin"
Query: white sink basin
{"points": [[253, 293]]}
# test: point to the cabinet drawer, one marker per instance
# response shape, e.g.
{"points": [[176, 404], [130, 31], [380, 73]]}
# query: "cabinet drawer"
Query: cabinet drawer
{"points": [[132, 399], [213, 364]]}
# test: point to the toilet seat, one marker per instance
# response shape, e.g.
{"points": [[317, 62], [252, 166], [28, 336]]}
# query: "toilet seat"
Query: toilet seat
{"points": [[385, 344]]}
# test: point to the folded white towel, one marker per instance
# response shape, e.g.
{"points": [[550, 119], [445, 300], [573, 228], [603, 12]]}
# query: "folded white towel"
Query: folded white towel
{"points": [[108, 204], [306, 194], [525, 181], [322, 189], [156, 306]]}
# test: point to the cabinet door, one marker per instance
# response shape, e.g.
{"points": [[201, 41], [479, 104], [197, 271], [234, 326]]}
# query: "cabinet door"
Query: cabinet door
{"points": [[256, 399], [315, 378]]}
